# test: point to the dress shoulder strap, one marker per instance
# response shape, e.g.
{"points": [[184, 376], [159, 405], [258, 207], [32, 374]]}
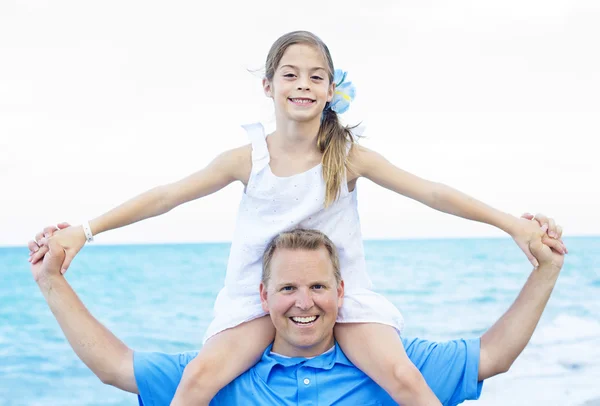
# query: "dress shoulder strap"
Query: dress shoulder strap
{"points": [[260, 152]]}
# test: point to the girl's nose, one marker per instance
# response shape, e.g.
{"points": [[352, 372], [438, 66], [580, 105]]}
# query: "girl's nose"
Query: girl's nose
{"points": [[303, 83]]}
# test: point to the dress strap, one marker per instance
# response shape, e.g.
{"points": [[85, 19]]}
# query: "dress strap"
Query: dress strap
{"points": [[357, 132], [260, 152]]}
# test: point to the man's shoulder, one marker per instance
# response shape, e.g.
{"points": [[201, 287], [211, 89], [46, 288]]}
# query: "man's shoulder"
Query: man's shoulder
{"points": [[158, 374], [450, 368]]}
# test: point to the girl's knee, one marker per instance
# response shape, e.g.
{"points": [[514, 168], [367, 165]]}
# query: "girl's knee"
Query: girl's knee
{"points": [[407, 377], [204, 365]]}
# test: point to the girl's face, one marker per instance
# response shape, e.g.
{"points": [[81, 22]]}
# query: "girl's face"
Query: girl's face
{"points": [[300, 86]]}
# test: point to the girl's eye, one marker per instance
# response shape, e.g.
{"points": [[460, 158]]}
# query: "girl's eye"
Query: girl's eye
{"points": [[317, 78], [289, 75]]}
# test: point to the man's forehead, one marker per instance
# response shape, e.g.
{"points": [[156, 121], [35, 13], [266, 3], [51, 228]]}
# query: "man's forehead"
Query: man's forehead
{"points": [[301, 264]]}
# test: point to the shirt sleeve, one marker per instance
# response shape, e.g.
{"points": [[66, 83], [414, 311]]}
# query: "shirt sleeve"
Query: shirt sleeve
{"points": [[450, 368], [157, 376]]}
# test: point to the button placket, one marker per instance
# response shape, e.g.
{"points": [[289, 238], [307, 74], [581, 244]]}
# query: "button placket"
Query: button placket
{"points": [[307, 388]]}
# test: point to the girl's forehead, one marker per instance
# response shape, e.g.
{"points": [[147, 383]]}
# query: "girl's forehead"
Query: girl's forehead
{"points": [[301, 55]]}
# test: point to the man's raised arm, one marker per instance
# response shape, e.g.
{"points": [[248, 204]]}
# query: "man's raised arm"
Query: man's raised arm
{"points": [[107, 356], [506, 339]]}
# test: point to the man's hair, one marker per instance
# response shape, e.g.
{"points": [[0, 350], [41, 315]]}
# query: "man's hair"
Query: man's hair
{"points": [[300, 239]]}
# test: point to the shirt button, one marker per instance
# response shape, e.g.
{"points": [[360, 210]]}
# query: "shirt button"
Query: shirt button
{"points": [[306, 381]]}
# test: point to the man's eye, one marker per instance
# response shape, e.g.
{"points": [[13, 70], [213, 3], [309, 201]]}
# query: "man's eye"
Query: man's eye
{"points": [[287, 288], [318, 287]]}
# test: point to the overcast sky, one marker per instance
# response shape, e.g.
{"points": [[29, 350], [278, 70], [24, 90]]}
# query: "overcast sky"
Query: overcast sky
{"points": [[100, 101]]}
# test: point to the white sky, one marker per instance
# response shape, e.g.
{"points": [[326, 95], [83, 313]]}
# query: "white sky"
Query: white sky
{"points": [[100, 101]]}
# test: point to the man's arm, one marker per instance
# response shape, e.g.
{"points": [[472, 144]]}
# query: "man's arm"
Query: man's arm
{"points": [[506, 339], [107, 356]]}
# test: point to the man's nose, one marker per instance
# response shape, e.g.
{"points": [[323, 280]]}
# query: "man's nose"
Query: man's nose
{"points": [[304, 300]]}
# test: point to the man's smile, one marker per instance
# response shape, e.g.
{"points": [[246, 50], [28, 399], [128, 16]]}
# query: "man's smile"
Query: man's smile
{"points": [[304, 321]]}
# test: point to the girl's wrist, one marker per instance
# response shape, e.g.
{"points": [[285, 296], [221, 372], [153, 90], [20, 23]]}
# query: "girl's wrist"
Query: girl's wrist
{"points": [[94, 227], [87, 231], [508, 223]]}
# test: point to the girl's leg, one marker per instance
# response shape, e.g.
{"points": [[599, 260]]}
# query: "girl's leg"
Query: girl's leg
{"points": [[376, 349], [223, 357]]}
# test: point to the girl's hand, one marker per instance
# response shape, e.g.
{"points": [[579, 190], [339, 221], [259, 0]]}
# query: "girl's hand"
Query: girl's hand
{"points": [[526, 231], [70, 239]]}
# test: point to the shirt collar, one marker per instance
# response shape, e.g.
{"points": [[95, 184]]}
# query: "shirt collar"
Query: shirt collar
{"points": [[324, 361]]}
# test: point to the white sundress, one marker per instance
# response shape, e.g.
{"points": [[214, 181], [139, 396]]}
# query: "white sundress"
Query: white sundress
{"points": [[272, 204]]}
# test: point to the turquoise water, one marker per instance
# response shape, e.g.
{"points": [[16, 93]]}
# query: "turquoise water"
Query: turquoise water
{"points": [[159, 297]]}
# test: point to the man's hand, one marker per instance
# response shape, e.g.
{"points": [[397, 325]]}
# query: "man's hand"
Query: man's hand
{"points": [[546, 255], [52, 262], [70, 239], [525, 232]]}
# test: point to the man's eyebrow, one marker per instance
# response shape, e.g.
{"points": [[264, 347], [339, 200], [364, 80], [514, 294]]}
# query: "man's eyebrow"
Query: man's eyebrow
{"points": [[312, 283], [324, 283], [295, 67]]}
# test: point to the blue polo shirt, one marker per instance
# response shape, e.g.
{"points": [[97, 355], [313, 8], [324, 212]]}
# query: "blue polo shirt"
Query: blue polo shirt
{"points": [[450, 368]]}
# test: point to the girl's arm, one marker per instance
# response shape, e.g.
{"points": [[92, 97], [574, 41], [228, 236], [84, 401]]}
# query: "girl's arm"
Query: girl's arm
{"points": [[371, 165], [228, 167], [375, 167]]}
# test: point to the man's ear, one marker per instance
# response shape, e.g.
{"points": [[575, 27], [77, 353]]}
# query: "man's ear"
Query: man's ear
{"points": [[263, 297], [331, 92], [267, 88], [340, 292]]}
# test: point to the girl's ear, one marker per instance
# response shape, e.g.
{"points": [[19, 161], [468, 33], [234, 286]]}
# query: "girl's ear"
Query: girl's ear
{"points": [[331, 92], [267, 88]]}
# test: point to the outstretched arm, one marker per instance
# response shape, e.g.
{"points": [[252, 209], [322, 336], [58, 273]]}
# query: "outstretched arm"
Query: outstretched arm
{"points": [[371, 165], [107, 356], [223, 170], [226, 168], [506, 339]]}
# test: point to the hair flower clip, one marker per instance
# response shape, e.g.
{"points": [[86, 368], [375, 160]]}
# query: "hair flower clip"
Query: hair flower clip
{"points": [[344, 92]]}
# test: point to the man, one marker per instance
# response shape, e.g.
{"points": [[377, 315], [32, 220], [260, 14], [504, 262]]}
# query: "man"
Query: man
{"points": [[303, 291]]}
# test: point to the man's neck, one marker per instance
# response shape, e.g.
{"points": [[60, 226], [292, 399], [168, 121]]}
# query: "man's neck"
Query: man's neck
{"points": [[289, 349], [285, 356]]}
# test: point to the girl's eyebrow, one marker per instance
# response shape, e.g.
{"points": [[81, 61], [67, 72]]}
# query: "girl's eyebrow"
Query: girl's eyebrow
{"points": [[295, 67]]}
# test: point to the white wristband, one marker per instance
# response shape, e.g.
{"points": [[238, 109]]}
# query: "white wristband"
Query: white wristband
{"points": [[88, 232]]}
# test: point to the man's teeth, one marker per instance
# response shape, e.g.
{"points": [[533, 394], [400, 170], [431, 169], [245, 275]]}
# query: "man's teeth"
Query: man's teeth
{"points": [[303, 101], [304, 319]]}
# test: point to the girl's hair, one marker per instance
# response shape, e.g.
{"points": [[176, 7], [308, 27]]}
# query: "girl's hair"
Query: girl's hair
{"points": [[333, 139], [300, 239]]}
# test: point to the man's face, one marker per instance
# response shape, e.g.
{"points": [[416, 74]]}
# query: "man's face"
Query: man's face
{"points": [[303, 299]]}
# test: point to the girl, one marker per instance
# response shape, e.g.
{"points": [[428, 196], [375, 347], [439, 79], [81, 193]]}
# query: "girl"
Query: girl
{"points": [[302, 175]]}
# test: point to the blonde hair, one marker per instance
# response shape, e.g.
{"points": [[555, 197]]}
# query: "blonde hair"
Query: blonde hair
{"points": [[300, 239], [333, 139]]}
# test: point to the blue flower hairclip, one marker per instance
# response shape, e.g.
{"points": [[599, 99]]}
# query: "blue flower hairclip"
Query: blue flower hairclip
{"points": [[344, 92]]}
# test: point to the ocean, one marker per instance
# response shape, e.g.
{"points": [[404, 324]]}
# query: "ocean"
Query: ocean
{"points": [[159, 298]]}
